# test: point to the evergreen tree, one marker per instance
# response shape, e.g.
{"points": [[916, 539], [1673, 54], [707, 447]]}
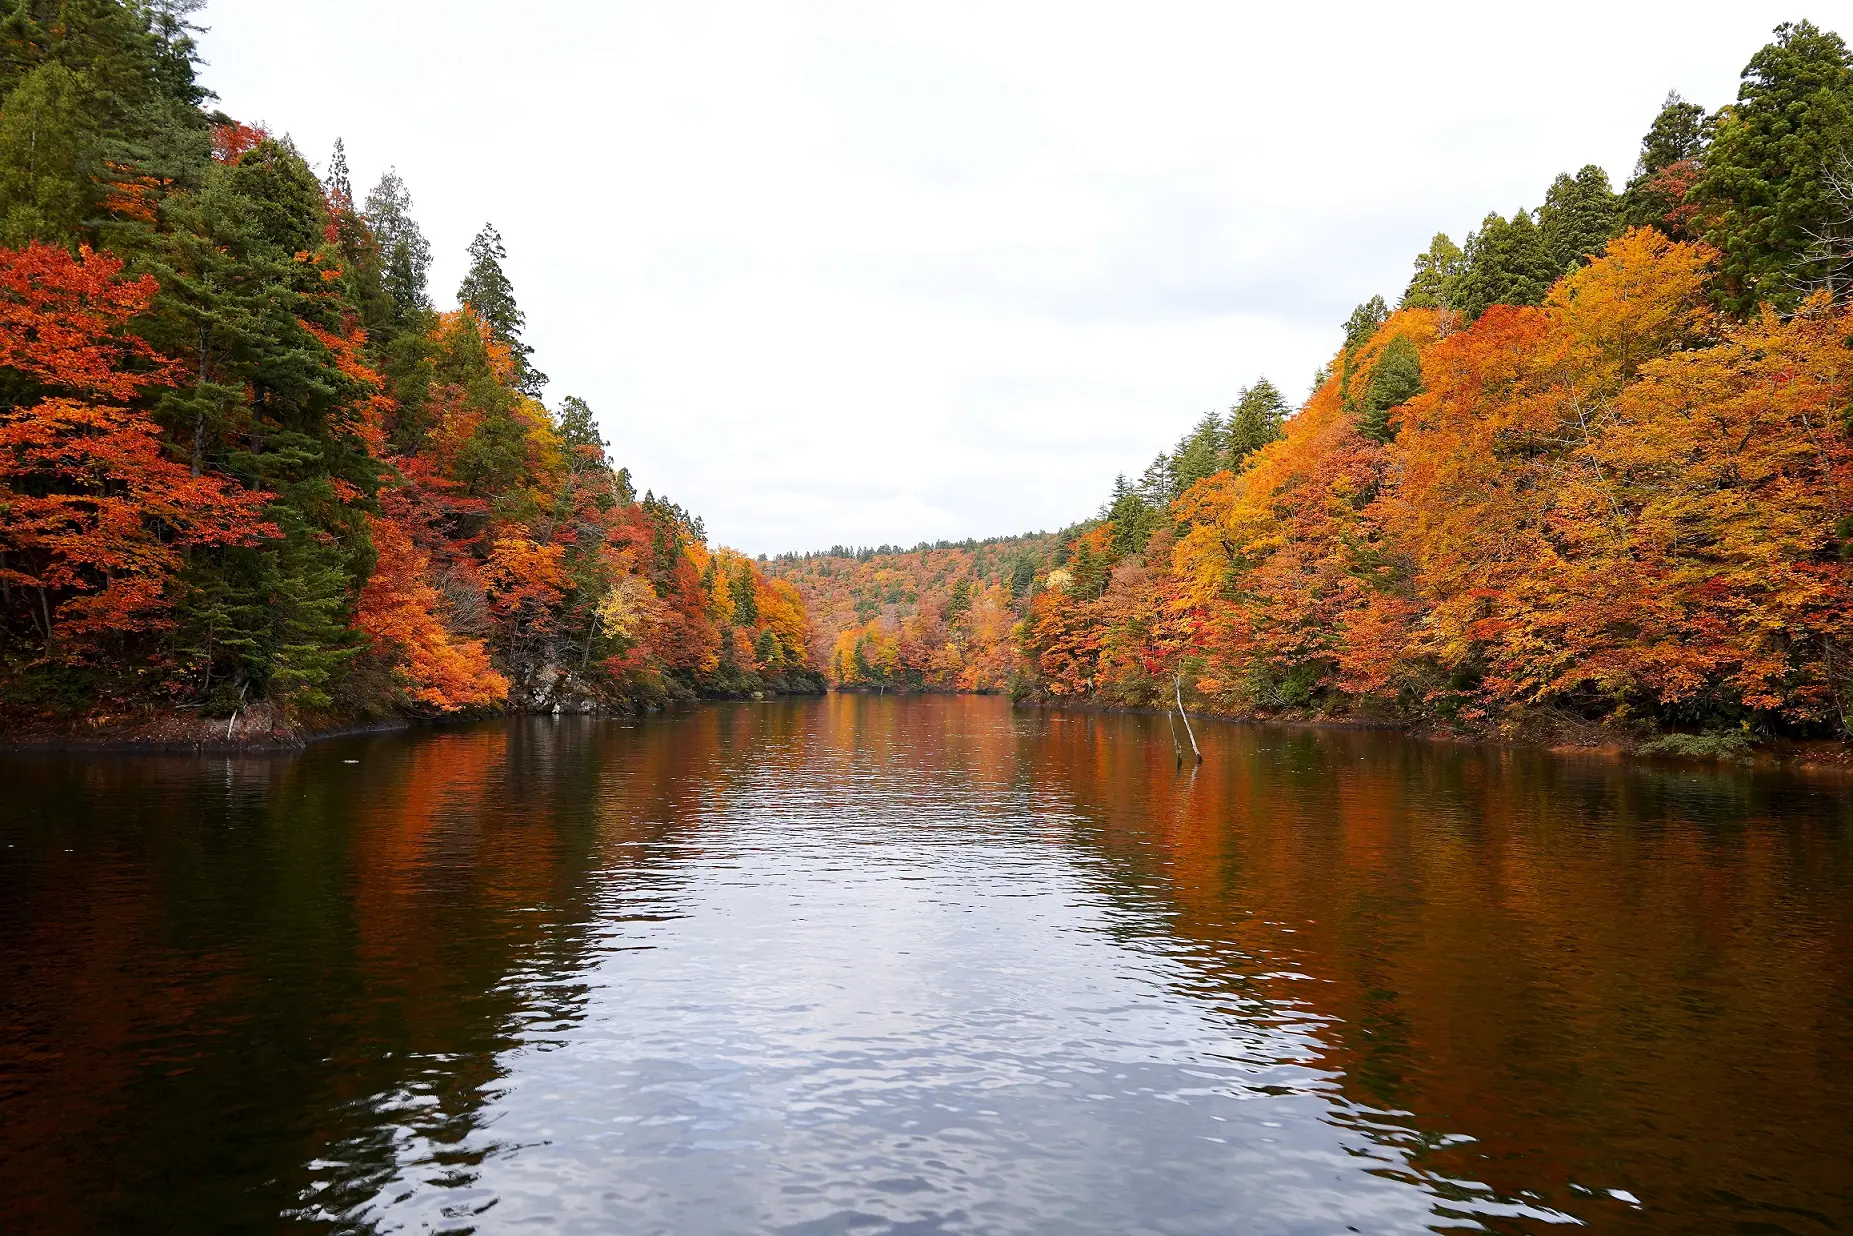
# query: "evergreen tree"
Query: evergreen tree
{"points": [[224, 296], [960, 602], [1766, 188], [339, 183], [1676, 135], [51, 159], [1159, 480], [1507, 264], [745, 602], [1359, 327], [285, 196], [360, 251], [240, 266], [1436, 272], [405, 254], [577, 425], [1090, 572], [1256, 420], [487, 290], [1667, 168], [177, 52], [1134, 518], [1364, 321], [129, 70], [1579, 217], [1395, 379], [1199, 453], [309, 585]]}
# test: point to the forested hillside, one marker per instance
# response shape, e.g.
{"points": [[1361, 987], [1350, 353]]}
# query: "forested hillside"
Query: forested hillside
{"points": [[249, 468], [936, 617], [1593, 468]]}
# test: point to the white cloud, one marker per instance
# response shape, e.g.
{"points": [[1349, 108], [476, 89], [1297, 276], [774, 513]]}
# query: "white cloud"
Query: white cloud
{"points": [[850, 272]]}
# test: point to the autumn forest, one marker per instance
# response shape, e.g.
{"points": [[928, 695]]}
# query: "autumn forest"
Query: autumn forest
{"points": [[1588, 476]]}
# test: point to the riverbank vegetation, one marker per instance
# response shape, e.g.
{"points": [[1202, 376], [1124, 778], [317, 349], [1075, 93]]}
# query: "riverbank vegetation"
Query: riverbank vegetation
{"points": [[248, 466], [937, 617], [1593, 469]]}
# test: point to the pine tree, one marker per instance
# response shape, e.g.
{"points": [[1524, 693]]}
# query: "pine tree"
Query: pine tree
{"points": [[1090, 573], [177, 51], [1676, 135], [310, 589], [1766, 185], [224, 295], [1364, 321], [1359, 328], [745, 602], [1256, 420], [1134, 518], [1667, 168], [1579, 217], [284, 196], [1436, 272], [361, 269], [1394, 380], [578, 427], [1159, 480], [240, 267], [338, 182], [487, 290], [1200, 453], [1507, 264], [405, 254]]}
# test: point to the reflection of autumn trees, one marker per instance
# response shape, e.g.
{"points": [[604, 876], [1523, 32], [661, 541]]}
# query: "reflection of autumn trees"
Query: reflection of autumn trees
{"points": [[267, 971], [1604, 975], [246, 967]]}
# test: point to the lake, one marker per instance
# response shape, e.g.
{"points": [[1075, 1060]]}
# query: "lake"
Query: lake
{"points": [[875, 965]]}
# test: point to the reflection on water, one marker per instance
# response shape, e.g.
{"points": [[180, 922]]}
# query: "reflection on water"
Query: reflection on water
{"points": [[874, 965]]}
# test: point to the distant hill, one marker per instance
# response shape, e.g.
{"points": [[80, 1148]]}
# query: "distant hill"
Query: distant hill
{"points": [[935, 616]]}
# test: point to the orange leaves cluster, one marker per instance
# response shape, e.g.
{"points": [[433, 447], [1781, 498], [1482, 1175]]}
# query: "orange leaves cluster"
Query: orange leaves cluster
{"points": [[64, 321], [1595, 503], [1616, 501], [94, 516], [526, 582], [867, 655], [945, 610], [401, 613], [229, 141], [501, 532]]}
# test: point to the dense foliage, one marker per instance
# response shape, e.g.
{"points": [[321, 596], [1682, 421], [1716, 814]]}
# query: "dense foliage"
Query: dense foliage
{"points": [[937, 617], [1595, 468], [244, 462]]}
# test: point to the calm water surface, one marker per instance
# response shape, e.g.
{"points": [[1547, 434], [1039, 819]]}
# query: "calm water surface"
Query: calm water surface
{"points": [[868, 965]]}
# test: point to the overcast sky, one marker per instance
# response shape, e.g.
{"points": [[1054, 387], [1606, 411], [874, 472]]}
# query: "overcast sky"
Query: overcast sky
{"points": [[863, 273]]}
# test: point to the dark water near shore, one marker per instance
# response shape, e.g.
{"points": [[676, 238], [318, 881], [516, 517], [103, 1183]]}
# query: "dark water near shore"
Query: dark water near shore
{"points": [[868, 965]]}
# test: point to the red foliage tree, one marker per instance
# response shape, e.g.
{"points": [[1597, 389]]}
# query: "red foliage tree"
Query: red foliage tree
{"points": [[95, 518]]}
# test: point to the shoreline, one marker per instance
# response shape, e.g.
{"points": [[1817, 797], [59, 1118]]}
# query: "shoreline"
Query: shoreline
{"points": [[170, 733], [1785, 755]]}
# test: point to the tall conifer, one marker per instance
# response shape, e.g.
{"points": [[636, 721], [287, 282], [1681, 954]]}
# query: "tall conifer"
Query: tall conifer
{"points": [[487, 290]]}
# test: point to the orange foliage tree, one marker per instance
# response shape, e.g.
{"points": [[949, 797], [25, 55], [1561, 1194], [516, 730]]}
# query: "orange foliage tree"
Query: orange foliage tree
{"points": [[95, 518], [1616, 504]]}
